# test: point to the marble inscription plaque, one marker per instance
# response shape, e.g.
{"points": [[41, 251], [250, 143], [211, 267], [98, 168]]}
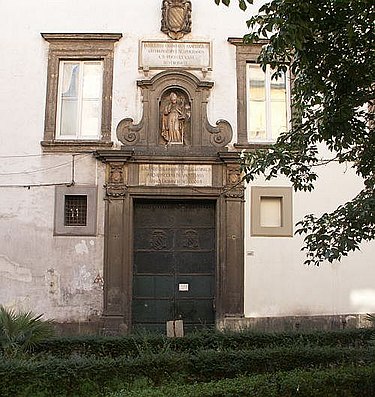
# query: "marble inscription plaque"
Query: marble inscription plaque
{"points": [[175, 174], [168, 54]]}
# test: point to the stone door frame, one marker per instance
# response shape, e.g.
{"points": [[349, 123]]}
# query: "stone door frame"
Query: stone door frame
{"points": [[122, 189]]}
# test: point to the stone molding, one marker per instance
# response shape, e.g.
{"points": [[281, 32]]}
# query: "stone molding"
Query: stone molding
{"points": [[123, 190], [244, 53]]}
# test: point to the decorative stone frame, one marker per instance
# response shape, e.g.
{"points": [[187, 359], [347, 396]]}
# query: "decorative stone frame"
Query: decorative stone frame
{"points": [[78, 46], [91, 192], [244, 53], [122, 189], [285, 194], [146, 133]]}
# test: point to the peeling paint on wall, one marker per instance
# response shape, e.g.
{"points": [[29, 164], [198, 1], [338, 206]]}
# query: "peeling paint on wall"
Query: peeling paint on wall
{"points": [[14, 271], [8, 216], [52, 279], [81, 248], [21, 303], [83, 279]]}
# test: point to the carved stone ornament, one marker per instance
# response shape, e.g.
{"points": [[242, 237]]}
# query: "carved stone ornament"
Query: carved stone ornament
{"points": [[116, 186], [234, 187], [176, 18]]}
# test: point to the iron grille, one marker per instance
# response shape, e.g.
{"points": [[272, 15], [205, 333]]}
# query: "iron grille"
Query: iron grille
{"points": [[75, 210]]}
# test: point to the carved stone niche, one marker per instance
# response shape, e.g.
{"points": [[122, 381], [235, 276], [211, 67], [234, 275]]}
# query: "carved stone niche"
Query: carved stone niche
{"points": [[174, 116], [180, 97]]}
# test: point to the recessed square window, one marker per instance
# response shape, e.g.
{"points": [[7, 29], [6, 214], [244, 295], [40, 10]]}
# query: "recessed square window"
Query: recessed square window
{"points": [[271, 211], [75, 210]]}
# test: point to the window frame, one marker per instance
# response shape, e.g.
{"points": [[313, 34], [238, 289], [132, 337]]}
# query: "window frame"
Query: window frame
{"points": [[245, 54], [60, 229], [78, 47], [286, 228]]}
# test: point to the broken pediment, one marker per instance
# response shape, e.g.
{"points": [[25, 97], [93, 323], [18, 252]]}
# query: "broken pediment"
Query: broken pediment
{"points": [[174, 115]]}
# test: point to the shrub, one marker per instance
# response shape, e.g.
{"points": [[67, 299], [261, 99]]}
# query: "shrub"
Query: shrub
{"points": [[60, 377], [20, 332], [338, 382], [220, 341]]}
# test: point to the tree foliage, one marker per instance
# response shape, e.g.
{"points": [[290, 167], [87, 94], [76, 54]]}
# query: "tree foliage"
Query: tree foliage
{"points": [[328, 45]]}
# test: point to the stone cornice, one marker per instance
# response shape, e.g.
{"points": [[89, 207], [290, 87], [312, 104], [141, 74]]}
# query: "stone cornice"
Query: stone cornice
{"points": [[51, 37]]}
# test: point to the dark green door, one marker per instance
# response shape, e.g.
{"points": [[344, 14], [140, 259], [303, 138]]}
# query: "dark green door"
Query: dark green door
{"points": [[174, 263]]}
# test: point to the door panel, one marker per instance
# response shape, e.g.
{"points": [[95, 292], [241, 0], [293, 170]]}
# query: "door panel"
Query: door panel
{"points": [[154, 287], [194, 311], [197, 286], [149, 311], [198, 262], [151, 262], [174, 263]]}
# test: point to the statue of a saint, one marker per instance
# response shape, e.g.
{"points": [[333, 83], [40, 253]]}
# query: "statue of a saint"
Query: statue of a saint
{"points": [[174, 116]]}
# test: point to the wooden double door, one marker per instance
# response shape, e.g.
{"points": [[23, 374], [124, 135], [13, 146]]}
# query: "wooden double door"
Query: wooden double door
{"points": [[174, 263]]}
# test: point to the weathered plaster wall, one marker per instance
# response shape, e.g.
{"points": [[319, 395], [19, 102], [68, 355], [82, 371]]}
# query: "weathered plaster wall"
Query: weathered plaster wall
{"points": [[277, 281], [61, 276]]}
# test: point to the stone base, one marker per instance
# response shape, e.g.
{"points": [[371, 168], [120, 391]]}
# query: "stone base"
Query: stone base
{"points": [[79, 328], [109, 325], [113, 325], [294, 323]]}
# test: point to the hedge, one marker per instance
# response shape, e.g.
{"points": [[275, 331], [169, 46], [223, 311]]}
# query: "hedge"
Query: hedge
{"points": [[337, 382], [62, 377], [143, 344]]}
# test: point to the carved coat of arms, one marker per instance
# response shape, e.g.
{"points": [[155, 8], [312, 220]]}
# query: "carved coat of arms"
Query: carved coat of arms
{"points": [[176, 18]]}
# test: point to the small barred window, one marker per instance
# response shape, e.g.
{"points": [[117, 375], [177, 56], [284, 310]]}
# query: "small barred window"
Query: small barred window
{"points": [[75, 210]]}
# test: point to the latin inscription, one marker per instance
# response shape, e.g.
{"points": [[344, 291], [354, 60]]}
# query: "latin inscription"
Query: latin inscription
{"points": [[175, 174], [166, 54]]}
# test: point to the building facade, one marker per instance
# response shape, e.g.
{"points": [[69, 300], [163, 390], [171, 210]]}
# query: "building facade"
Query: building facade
{"points": [[122, 201]]}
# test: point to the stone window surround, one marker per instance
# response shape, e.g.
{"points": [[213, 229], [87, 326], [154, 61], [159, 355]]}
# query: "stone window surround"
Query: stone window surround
{"points": [[91, 192], [78, 46], [286, 228], [245, 53]]}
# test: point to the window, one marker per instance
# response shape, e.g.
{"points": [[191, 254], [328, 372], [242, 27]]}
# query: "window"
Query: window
{"points": [[267, 104], [79, 100], [79, 91], [263, 103], [271, 211], [75, 210]]}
